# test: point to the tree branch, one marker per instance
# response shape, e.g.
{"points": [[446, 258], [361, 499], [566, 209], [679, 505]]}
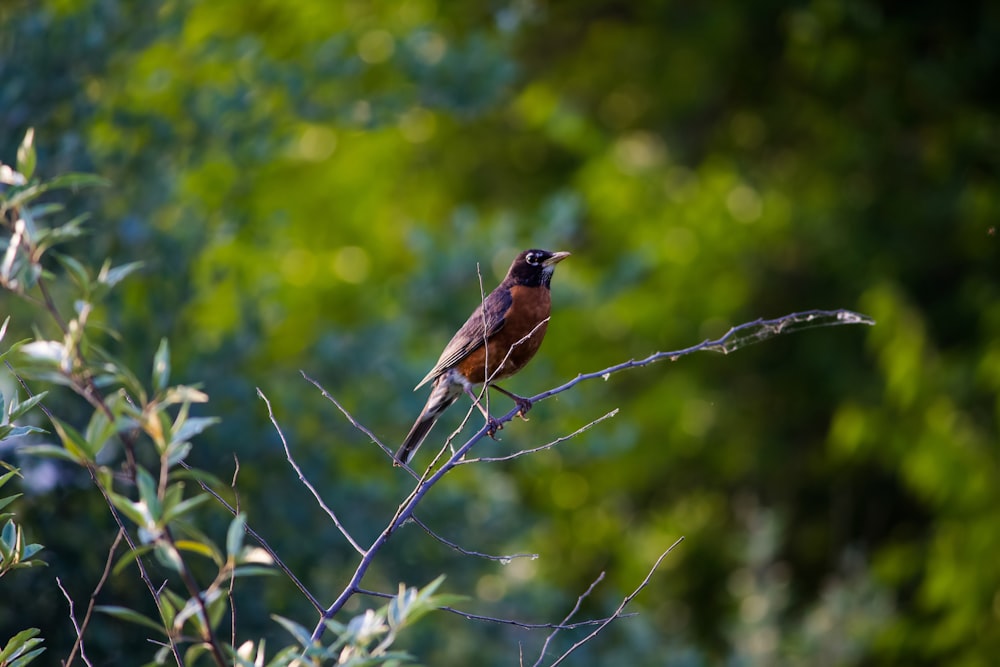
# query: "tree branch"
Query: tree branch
{"points": [[621, 607], [737, 337], [306, 482], [82, 628], [452, 545]]}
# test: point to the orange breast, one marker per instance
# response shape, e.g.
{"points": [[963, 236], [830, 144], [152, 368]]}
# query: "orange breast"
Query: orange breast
{"points": [[517, 342]]}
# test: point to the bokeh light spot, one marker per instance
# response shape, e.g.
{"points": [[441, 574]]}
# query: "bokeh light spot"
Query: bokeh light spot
{"points": [[350, 264], [376, 46], [316, 143], [417, 125], [298, 266], [744, 204]]}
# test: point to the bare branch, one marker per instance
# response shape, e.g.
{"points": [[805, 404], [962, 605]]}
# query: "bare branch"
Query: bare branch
{"points": [[621, 607], [78, 644], [302, 478], [260, 540], [501, 559], [354, 422], [553, 443], [571, 614], [500, 621], [76, 628], [735, 338], [531, 626]]}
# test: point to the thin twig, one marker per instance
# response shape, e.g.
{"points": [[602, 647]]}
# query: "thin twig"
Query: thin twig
{"points": [[354, 422], [571, 614], [306, 482], [531, 626], [467, 552], [143, 572], [76, 628], [78, 644], [260, 541], [548, 445], [621, 607], [500, 621]]}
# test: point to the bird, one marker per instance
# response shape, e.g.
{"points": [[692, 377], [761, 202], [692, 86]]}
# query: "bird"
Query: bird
{"points": [[498, 340]]}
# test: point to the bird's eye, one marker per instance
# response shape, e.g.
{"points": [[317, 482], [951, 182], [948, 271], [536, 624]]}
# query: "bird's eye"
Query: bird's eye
{"points": [[531, 258]]}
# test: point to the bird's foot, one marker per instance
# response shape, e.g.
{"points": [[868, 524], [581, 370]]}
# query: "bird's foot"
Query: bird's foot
{"points": [[523, 405], [492, 426]]}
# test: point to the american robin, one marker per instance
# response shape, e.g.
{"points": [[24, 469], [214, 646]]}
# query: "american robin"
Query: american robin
{"points": [[497, 340]]}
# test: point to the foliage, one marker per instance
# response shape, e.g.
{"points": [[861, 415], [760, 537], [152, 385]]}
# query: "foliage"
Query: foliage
{"points": [[147, 497], [312, 186]]}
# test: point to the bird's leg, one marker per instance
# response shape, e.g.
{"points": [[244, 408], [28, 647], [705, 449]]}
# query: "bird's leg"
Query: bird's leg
{"points": [[492, 424], [523, 404]]}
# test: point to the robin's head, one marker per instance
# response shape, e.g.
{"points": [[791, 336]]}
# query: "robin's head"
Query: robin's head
{"points": [[534, 267]]}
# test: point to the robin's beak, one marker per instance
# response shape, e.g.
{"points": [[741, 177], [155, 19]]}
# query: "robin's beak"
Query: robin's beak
{"points": [[555, 258]]}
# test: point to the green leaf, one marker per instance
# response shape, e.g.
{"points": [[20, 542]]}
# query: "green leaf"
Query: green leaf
{"points": [[177, 452], [27, 657], [77, 271], [13, 348], [193, 427], [49, 451], [126, 614], [301, 634], [74, 443], [130, 556], [9, 499], [47, 238], [9, 538], [19, 431], [100, 429], [112, 276], [30, 550], [19, 408], [161, 366], [182, 508], [75, 181], [254, 571], [234, 536], [134, 511], [10, 475], [26, 156], [201, 548], [43, 210], [168, 556], [18, 643], [148, 493]]}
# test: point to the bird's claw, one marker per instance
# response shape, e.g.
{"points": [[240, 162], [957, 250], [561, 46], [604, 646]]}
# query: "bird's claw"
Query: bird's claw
{"points": [[523, 405], [492, 426]]}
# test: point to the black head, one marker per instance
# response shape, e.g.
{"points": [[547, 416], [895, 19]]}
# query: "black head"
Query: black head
{"points": [[534, 267]]}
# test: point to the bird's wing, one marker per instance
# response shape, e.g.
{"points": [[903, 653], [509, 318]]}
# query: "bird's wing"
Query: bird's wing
{"points": [[487, 319]]}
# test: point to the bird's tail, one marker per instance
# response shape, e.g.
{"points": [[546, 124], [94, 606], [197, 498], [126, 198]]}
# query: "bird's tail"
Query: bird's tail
{"points": [[442, 396]]}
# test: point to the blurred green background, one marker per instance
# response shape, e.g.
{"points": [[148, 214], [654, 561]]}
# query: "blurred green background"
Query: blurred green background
{"points": [[312, 185]]}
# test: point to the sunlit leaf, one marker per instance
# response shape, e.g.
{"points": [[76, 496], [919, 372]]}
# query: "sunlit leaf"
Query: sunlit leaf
{"points": [[22, 641], [26, 156], [234, 535], [126, 614], [19, 408], [299, 632], [111, 276], [74, 443], [161, 366]]}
